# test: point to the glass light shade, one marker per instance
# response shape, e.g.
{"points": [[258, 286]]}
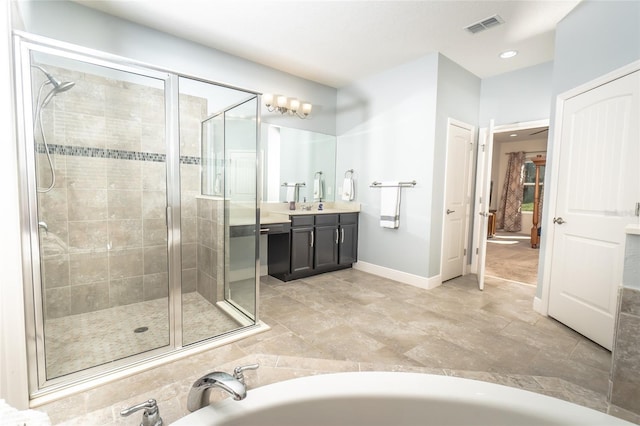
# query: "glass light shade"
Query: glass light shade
{"points": [[306, 108], [294, 104], [268, 99], [282, 101]]}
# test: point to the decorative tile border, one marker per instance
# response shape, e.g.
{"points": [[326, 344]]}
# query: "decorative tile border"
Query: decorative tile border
{"points": [[115, 154]]}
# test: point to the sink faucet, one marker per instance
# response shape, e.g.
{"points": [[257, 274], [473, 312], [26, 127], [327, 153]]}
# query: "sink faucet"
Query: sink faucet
{"points": [[232, 384]]}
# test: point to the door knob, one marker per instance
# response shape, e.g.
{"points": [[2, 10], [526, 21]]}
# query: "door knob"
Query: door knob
{"points": [[450, 211], [558, 220]]}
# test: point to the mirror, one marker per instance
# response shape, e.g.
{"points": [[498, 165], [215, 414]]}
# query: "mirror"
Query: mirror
{"points": [[294, 156]]}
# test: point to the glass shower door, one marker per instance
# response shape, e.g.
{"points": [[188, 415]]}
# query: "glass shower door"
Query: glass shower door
{"points": [[241, 226], [99, 154], [218, 149]]}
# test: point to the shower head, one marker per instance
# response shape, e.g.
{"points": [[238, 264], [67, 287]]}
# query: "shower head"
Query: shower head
{"points": [[61, 87], [58, 86], [54, 81]]}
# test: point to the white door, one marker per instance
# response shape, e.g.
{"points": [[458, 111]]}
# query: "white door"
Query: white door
{"points": [[483, 179], [598, 186], [459, 152], [241, 175]]}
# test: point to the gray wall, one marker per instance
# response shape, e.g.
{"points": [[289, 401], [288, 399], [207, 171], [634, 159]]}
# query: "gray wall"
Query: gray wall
{"points": [[458, 98], [517, 96], [386, 131], [100, 31], [393, 126], [597, 37]]}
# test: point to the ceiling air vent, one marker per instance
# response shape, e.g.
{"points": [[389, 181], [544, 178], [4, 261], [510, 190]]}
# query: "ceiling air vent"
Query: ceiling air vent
{"points": [[485, 24]]}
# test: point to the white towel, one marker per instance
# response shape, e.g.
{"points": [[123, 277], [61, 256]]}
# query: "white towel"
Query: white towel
{"points": [[292, 193], [318, 193], [217, 186], [390, 205], [347, 189]]}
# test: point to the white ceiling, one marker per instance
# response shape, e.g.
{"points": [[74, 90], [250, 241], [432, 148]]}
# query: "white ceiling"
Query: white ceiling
{"points": [[535, 133], [338, 42]]}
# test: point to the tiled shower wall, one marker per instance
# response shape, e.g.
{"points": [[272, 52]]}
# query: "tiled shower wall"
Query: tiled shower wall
{"points": [[625, 365], [210, 282], [106, 243]]}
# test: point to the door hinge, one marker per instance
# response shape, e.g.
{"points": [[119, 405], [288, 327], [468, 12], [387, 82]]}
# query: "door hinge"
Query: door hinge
{"points": [[464, 252], [638, 209], [483, 145], [477, 250]]}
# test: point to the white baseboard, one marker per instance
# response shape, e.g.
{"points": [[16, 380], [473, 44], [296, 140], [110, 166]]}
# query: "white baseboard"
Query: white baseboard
{"points": [[537, 306], [403, 277]]}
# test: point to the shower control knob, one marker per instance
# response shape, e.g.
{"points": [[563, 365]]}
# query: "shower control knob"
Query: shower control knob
{"points": [[238, 371], [151, 415]]}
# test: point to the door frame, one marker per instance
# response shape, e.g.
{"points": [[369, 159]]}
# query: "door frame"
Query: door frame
{"points": [[541, 303], [482, 179], [467, 226]]}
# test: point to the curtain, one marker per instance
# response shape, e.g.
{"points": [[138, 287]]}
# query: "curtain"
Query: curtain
{"points": [[509, 214]]}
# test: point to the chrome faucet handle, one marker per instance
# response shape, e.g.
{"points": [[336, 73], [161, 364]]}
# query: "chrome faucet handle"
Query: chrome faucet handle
{"points": [[151, 415], [238, 372]]}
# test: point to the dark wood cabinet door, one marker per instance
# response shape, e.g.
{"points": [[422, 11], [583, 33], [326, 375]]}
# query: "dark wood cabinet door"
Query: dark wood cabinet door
{"points": [[348, 244], [326, 246], [301, 249]]}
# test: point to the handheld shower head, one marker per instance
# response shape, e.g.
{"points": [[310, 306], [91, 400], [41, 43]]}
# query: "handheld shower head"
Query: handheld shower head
{"points": [[61, 87], [54, 81], [58, 86]]}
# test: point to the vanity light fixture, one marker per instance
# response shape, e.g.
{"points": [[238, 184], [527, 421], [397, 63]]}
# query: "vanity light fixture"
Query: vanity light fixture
{"points": [[284, 105], [508, 54]]}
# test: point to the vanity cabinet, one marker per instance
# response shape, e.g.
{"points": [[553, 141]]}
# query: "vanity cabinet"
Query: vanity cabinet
{"points": [[318, 243], [302, 242], [348, 252]]}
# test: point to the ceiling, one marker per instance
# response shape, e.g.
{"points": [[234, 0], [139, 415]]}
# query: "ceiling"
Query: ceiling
{"points": [[338, 42], [534, 133]]}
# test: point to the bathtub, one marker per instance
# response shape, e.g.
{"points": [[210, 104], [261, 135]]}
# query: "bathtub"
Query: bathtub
{"points": [[397, 399]]}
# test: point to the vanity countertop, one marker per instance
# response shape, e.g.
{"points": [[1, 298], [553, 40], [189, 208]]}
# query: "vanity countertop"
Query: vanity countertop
{"points": [[633, 229], [269, 218], [279, 212], [298, 212]]}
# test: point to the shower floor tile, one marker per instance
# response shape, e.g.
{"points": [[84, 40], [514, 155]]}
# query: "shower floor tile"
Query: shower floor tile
{"points": [[76, 342]]}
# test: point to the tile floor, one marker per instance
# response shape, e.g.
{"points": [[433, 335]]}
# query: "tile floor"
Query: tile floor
{"points": [[350, 315], [353, 321], [76, 342]]}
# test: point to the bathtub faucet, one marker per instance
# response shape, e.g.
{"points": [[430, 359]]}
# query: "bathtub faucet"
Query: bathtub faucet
{"points": [[232, 384]]}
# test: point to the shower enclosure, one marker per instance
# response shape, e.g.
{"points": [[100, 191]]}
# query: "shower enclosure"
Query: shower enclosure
{"points": [[139, 209]]}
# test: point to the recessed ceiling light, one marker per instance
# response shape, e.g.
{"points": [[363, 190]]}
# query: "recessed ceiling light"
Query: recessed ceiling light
{"points": [[508, 54], [513, 135]]}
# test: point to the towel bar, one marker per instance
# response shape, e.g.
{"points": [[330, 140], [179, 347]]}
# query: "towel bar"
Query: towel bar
{"points": [[294, 184], [376, 184]]}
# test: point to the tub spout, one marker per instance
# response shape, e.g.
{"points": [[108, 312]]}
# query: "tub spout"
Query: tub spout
{"points": [[199, 393]]}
